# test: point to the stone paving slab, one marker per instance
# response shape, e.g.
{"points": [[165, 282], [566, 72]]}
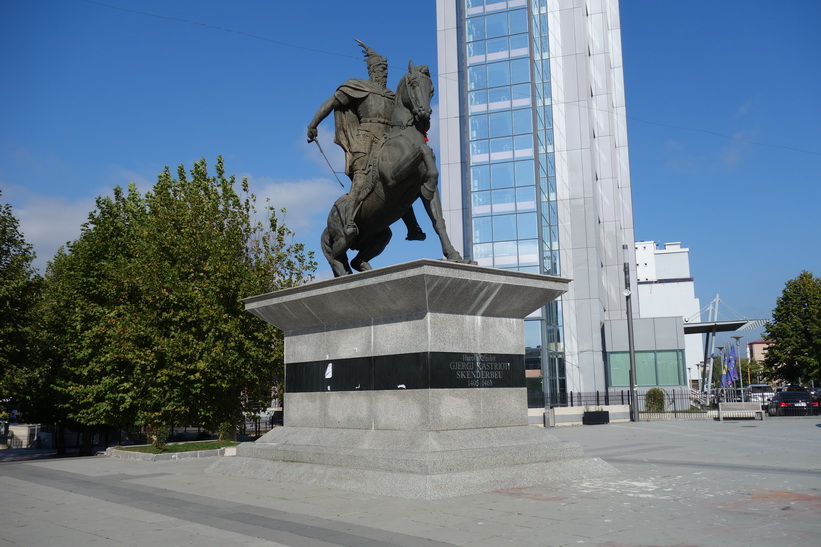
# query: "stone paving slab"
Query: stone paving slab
{"points": [[737, 482]]}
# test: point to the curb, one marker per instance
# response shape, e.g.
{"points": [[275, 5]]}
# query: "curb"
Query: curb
{"points": [[128, 455]]}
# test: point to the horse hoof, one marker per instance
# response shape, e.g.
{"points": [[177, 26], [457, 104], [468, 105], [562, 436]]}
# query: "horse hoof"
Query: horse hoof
{"points": [[360, 265], [416, 235]]}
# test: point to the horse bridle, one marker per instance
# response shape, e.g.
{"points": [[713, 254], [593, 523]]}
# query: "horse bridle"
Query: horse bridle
{"points": [[412, 83]]}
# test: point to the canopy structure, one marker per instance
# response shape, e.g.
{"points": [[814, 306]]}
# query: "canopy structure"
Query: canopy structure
{"points": [[723, 326], [710, 328]]}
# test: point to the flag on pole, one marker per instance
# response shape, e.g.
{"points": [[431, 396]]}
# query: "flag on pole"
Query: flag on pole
{"points": [[732, 365], [726, 379]]}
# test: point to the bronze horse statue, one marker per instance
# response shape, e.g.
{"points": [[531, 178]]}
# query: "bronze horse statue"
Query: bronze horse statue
{"points": [[404, 169]]}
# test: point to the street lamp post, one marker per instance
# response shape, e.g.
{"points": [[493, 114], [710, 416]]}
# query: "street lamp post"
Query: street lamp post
{"points": [[738, 364], [634, 402]]}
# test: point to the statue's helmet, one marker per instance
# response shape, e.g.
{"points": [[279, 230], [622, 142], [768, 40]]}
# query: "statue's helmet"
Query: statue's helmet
{"points": [[372, 58]]}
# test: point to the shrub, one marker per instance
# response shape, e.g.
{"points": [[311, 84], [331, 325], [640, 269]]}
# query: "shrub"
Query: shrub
{"points": [[158, 435], [654, 400], [227, 431]]}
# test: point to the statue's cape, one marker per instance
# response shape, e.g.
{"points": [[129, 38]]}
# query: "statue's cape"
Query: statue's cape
{"points": [[347, 122]]}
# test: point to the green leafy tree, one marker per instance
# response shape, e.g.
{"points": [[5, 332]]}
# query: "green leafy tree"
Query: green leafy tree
{"points": [[795, 332], [751, 370], [755, 370], [199, 254], [86, 323], [143, 321], [19, 289]]}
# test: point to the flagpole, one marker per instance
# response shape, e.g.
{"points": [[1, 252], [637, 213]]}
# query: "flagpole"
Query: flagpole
{"points": [[726, 378]]}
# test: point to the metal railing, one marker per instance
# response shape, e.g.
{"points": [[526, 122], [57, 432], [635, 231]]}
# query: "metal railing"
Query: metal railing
{"points": [[678, 404]]}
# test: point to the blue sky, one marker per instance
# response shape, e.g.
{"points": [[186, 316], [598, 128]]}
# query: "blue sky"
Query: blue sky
{"points": [[722, 101]]}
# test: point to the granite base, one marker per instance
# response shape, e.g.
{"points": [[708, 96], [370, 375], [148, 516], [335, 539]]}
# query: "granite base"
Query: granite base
{"points": [[413, 464]]}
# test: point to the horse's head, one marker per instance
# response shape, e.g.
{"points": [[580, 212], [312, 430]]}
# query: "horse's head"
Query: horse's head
{"points": [[417, 94]]}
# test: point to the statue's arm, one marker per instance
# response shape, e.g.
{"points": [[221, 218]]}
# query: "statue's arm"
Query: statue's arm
{"points": [[327, 107]]}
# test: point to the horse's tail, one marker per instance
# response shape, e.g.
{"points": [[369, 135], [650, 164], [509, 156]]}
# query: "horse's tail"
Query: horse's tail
{"points": [[325, 242]]}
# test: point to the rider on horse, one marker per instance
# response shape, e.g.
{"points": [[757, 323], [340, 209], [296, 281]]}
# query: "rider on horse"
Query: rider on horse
{"points": [[362, 113]]}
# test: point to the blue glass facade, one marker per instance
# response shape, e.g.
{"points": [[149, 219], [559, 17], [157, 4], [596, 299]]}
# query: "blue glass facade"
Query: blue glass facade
{"points": [[510, 181]]}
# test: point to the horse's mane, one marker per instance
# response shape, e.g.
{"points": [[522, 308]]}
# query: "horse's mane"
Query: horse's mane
{"points": [[422, 69]]}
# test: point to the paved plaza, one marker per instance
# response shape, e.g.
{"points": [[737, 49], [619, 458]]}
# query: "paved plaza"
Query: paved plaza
{"points": [[700, 482]]}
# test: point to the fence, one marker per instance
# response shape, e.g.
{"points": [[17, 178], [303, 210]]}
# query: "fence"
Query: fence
{"points": [[10, 440], [50, 436], [678, 404]]}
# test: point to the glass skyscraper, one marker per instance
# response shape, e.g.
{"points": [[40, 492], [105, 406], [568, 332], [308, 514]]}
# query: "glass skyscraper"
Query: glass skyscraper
{"points": [[535, 175]]}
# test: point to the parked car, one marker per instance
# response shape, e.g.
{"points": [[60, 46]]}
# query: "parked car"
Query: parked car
{"points": [[760, 393], [729, 395], [791, 403]]}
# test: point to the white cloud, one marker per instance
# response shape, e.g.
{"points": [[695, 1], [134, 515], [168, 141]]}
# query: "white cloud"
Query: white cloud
{"points": [[307, 202], [38, 164], [123, 177], [333, 152], [47, 222], [744, 109], [677, 156], [731, 155]]}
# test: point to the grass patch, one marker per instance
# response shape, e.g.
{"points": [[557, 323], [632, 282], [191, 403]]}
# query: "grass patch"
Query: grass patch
{"points": [[179, 447]]}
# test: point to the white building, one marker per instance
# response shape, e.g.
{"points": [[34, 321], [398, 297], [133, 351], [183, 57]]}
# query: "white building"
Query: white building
{"points": [[666, 288], [535, 174]]}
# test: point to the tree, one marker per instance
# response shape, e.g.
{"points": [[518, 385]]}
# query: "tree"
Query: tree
{"points": [[795, 332], [199, 254], [751, 370], [143, 321], [84, 377], [19, 289]]}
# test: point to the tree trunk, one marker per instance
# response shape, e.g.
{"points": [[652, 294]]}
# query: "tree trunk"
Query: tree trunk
{"points": [[60, 438], [86, 445]]}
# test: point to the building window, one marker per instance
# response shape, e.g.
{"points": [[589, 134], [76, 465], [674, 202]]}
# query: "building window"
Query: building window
{"points": [[653, 368], [508, 120]]}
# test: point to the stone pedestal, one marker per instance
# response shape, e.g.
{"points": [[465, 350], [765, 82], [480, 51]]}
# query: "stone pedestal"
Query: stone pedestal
{"points": [[409, 381]]}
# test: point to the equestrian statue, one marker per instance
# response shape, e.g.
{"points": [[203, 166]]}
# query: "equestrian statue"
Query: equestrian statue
{"points": [[388, 161]]}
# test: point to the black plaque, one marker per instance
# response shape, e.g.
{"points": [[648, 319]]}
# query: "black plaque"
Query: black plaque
{"points": [[331, 375], [423, 370], [473, 370]]}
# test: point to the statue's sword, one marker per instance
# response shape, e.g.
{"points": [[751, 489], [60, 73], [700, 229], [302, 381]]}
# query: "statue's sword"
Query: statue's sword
{"points": [[316, 140]]}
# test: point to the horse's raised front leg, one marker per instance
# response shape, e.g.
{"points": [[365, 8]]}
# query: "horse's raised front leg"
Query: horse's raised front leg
{"points": [[434, 208], [415, 232]]}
